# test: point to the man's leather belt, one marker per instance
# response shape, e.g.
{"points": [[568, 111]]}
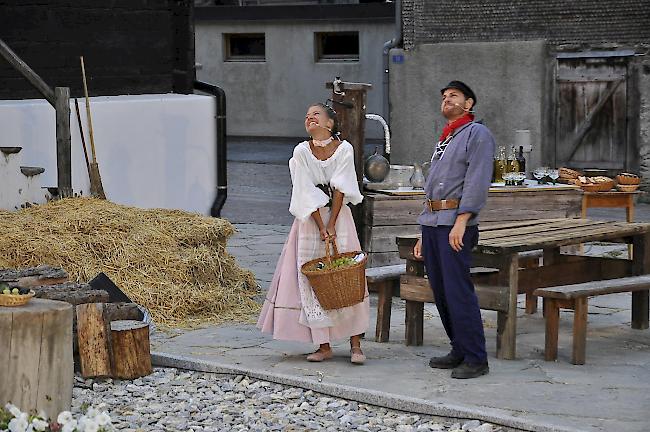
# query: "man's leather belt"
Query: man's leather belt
{"points": [[446, 204]]}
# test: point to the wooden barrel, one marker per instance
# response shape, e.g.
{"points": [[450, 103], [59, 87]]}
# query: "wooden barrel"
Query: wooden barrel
{"points": [[36, 366]]}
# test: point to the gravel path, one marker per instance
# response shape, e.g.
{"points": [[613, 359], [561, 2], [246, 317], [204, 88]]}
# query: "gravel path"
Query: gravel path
{"points": [[176, 400]]}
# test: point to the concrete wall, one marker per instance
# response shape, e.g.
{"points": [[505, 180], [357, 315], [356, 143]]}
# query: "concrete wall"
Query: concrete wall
{"points": [[152, 150], [507, 77], [270, 98]]}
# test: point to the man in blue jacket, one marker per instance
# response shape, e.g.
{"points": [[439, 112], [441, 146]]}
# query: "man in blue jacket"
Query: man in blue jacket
{"points": [[456, 190]]}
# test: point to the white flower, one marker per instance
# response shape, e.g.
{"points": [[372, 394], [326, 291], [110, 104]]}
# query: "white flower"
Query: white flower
{"points": [[69, 426], [39, 425], [64, 418], [19, 424], [92, 412], [13, 409], [103, 419], [88, 425]]}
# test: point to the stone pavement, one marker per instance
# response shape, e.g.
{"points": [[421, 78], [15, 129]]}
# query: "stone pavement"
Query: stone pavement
{"points": [[609, 393]]}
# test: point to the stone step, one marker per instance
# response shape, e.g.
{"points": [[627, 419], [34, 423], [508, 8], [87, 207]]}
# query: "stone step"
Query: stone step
{"points": [[10, 150], [31, 171]]}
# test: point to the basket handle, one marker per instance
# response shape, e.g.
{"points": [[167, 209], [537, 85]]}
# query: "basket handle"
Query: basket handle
{"points": [[330, 242]]}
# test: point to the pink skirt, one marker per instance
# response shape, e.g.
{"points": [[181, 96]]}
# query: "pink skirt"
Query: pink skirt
{"points": [[282, 314]]}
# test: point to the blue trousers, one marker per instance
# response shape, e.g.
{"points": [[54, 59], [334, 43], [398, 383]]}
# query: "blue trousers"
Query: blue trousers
{"points": [[449, 277]]}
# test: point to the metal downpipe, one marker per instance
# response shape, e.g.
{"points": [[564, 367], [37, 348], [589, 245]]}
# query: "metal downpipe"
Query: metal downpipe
{"points": [[222, 178], [388, 45]]}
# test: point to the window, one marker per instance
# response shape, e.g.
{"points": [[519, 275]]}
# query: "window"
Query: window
{"points": [[337, 46], [244, 47]]}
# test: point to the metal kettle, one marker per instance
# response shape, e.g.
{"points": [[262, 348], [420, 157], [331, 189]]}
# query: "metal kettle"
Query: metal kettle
{"points": [[376, 167]]}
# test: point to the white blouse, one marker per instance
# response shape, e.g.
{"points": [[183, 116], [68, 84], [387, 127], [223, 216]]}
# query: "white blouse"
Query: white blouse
{"points": [[307, 171]]}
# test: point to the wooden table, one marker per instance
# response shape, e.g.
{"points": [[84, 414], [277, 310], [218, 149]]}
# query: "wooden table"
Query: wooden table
{"points": [[384, 217], [499, 247], [611, 200]]}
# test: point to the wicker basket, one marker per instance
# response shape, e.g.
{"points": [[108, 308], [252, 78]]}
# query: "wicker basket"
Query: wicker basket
{"points": [[597, 187], [626, 187], [339, 287], [627, 179], [16, 299]]}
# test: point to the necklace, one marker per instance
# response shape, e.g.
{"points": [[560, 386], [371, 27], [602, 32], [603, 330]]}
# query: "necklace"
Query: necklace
{"points": [[323, 143]]}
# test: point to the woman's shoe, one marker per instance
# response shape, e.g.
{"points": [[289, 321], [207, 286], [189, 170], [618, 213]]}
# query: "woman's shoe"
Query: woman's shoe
{"points": [[320, 355], [357, 356]]}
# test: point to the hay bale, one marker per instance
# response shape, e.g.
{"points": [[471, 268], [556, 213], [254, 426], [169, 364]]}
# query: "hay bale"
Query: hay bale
{"points": [[173, 262]]}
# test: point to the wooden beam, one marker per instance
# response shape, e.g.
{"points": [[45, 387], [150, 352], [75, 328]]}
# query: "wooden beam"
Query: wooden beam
{"points": [[23, 68], [63, 142]]}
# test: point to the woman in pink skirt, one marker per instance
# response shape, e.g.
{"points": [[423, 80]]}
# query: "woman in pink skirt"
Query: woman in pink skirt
{"points": [[324, 182]]}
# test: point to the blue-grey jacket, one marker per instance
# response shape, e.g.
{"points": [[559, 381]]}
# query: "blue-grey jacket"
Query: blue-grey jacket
{"points": [[464, 172]]}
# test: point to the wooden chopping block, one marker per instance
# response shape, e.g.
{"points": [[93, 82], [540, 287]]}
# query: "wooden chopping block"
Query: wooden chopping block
{"points": [[130, 349]]}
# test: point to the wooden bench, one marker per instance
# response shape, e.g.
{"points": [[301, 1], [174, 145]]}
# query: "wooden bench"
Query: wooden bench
{"points": [[385, 282], [416, 291], [576, 297]]}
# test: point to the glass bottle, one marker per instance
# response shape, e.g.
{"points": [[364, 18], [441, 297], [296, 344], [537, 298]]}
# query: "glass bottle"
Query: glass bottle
{"points": [[513, 164], [522, 160], [500, 165]]}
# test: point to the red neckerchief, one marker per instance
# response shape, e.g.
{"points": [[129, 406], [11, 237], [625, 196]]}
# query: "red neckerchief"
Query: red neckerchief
{"points": [[451, 127]]}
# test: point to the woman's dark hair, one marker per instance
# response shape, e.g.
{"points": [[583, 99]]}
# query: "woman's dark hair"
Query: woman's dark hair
{"points": [[329, 111]]}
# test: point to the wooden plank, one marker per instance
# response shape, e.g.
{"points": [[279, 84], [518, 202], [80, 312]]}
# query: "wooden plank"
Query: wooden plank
{"points": [[579, 331], [379, 274], [586, 269], [490, 297], [382, 238], [596, 288], [563, 238], [540, 229], [489, 226]]}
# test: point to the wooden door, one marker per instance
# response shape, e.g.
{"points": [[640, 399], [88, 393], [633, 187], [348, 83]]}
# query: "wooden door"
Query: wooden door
{"points": [[591, 113]]}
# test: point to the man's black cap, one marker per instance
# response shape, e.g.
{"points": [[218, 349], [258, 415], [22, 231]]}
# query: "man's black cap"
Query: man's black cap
{"points": [[464, 88]]}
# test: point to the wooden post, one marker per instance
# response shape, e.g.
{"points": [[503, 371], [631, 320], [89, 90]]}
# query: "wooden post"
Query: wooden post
{"points": [[580, 310], [641, 266], [92, 334], [36, 369], [552, 326], [507, 321], [384, 307], [63, 146], [349, 102], [130, 347], [414, 321]]}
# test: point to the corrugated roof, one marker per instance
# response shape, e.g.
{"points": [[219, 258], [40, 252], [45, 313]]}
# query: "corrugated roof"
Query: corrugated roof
{"points": [[623, 22]]}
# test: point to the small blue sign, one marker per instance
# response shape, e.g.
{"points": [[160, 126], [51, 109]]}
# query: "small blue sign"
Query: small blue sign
{"points": [[398, 58]]}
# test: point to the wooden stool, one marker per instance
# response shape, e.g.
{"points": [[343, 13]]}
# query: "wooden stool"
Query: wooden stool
{"points": [[36, 366]]}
